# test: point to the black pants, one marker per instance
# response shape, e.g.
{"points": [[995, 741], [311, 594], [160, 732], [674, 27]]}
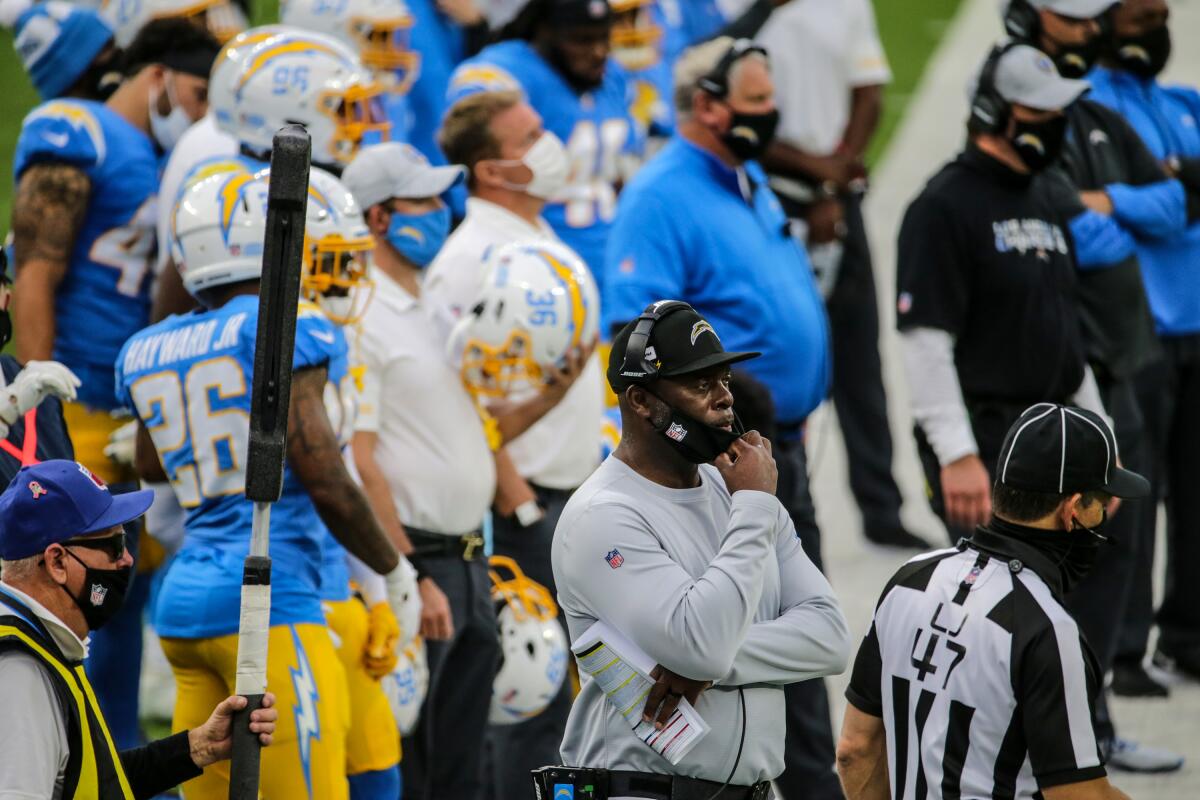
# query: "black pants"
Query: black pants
{"points": [[514, 750], [1098, 603], [808, 751], [858, 393], [443, 756], [1176, 423]]}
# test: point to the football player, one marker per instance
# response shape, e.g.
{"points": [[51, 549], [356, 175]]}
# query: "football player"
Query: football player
{"points": [[638, 45], [557, 52], [189, 378]]}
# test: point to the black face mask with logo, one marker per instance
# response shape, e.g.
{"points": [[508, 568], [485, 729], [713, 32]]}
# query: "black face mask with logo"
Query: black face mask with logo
{"points": [[694, 439], [749, 134], [1039, 143], [1074, 61], [102, 593], [1144, 56]]}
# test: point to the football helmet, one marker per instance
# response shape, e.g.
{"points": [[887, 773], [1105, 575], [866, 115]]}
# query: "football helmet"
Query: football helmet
{"points": [[532, 644], [406, 686], [222, 81], [316, 81], [378, 30], [218, 227], [637, 38], [222, 18], [537, 301], [337, 249]]}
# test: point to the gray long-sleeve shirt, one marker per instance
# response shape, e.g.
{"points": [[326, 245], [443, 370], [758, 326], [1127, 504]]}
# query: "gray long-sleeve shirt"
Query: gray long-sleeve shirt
{"points": [[712, 587]]}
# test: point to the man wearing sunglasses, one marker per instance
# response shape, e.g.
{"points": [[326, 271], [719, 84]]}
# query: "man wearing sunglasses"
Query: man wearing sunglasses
{"points": [[64, 570]]}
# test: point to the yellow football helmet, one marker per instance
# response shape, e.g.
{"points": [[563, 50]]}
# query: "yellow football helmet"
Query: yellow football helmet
{"points": [[636, 35], [337, 250]]}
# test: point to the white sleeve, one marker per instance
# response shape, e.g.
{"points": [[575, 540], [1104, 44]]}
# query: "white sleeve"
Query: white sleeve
{"points": [[780, 35], [367, 419], [33, 739], [868, 64], [370, 582], [809, 639], [937, 402], [692, 626], [1087, 396]]}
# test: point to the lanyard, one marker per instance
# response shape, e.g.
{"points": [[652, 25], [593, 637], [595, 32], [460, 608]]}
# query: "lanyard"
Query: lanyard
{"points": [[27, 455]]}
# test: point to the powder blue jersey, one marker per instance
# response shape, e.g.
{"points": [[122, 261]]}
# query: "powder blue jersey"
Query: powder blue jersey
{"points": [[188, 378], [596, 127], [105, 297]]}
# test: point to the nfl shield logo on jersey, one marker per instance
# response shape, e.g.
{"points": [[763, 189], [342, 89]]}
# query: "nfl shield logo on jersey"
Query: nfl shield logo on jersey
{"points": [[676, 432], [98, 594], [614, 558]]}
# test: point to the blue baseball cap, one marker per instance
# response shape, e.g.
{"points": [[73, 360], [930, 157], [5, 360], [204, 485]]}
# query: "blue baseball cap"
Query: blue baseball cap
{"points": [[58, 500], [57, 41]]}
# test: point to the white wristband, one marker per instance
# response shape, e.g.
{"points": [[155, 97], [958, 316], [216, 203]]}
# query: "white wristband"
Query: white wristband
{"points": [[529, 513]]}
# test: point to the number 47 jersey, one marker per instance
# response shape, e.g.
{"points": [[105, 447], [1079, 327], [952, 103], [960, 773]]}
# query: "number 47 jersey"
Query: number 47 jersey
{"points": [[596, 127], [188, 379]]}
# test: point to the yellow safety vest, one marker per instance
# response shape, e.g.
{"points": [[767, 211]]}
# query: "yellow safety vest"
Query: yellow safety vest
{"points": [[94, 769]]}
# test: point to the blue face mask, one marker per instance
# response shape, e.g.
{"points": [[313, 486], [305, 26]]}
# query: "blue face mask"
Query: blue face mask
{"points": [[419, 237]]}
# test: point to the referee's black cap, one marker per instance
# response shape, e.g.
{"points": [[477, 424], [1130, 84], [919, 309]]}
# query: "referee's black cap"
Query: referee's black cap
{"points": [[1061, 449]]}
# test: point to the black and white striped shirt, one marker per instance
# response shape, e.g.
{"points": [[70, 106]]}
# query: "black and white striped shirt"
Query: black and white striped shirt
{"points": [[983, 680]]}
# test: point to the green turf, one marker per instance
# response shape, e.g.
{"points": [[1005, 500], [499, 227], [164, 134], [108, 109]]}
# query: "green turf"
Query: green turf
{"points": [[910, 31]]}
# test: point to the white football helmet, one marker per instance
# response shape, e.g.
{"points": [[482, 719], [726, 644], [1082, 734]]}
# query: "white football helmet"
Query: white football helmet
{"points": [[218, 228], [310, 79], [223, 18], [537, 301], [532, 644], [337, 249], [222, 81], [637, 37], [407, 685], [378, 30]]}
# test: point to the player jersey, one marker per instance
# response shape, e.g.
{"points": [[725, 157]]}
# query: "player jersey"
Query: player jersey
{"points": [[595, 126], [188, 378], [105, 296]]}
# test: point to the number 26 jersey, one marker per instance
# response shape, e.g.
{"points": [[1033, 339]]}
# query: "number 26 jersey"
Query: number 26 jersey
{"points": [[188, 379]]}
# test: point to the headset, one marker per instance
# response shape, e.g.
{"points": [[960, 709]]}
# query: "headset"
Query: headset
{"points": [[636, 364], [989, 111], [1022, 21], [716, 80]]}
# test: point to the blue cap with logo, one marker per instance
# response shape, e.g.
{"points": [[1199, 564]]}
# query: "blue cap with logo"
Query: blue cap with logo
{"points": [[58, 500], [57, 41]]}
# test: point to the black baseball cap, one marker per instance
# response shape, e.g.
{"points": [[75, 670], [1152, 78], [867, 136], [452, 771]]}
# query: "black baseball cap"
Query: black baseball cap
{"points": [[569, 13], [1060, 449], [682, 342]]}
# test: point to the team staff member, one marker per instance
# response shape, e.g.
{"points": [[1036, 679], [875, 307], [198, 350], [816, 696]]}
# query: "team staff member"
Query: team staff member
{"points": [[987, 305], [1124, 196], [829, 71], [700, 223], [704, 572], [426, 467], [1165, 117], [63, 572], [489, 133], [972, 649]]}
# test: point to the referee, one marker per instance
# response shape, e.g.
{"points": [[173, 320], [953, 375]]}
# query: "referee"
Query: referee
{"points": [[973, 680]]}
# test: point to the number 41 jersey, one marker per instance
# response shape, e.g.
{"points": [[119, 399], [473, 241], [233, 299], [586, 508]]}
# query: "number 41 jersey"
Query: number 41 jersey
{"points": [[595, 126], [105, 296], [188, 379]]}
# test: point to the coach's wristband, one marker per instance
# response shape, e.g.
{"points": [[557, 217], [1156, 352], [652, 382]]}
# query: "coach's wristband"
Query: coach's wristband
{"points": [[529, 513]]}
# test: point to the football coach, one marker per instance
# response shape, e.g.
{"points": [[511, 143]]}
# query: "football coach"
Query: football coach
{"points": [[678, 542], [63, 572]]}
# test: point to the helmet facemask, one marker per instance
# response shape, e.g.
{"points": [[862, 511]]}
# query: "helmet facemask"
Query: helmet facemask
{"points": [[636, 38], [498, 372], [356, 113], [384, 47], [335, 276]]}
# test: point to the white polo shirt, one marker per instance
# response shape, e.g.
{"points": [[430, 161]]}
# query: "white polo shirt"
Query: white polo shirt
{"points": [[563, 448], [432, 447], [201, 142], [820, 50]]}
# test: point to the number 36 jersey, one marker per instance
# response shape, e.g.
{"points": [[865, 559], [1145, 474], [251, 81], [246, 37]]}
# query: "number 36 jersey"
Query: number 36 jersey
{"points": [[188, 378], [105, 296], [596, 127]]}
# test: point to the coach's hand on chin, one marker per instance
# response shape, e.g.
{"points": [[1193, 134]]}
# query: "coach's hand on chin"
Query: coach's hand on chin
{"points": [[749, 464], [213, 741]]}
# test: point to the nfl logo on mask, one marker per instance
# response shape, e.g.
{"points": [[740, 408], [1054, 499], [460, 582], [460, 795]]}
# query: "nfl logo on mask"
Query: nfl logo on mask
{"points": [[614, 558], [676, 432], [98, 594]]}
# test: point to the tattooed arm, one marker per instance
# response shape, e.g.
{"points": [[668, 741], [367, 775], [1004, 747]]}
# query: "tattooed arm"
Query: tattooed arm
{"points": [[47, 214], [316, 457]]}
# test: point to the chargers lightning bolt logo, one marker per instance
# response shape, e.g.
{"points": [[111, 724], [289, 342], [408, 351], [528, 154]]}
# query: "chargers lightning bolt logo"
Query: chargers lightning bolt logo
{"points": [[308, 724]]}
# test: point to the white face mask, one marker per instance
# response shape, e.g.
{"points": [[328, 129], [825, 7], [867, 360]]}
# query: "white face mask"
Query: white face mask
{"points": [[168, 129], [547, 160]]}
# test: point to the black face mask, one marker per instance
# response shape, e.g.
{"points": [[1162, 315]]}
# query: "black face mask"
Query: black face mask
{"points": [[102, 593], [1039, 143], [5, 327], [749, 134], [1145, 55], [695, 440], [100, 79], [1074, 552], [1074, 61]]}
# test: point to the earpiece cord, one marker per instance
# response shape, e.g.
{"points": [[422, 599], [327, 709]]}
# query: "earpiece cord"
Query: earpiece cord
{"points": [[741, 743]]}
